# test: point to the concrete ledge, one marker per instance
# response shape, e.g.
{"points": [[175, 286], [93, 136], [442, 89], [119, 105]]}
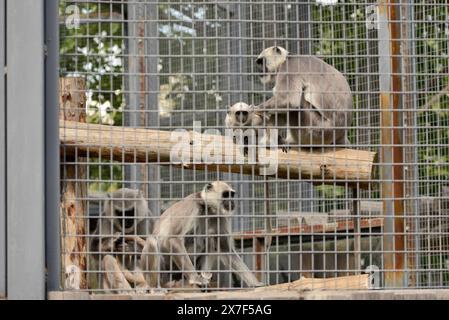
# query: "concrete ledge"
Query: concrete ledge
{"points": [[411, 294]]}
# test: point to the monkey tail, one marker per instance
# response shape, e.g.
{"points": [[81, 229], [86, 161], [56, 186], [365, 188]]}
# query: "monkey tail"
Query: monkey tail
{"points": [[150, 261]]}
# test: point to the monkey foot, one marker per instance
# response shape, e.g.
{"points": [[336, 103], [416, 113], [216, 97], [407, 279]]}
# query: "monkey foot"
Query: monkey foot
{"points": [[285, 148], [199, 280], [142, 290]]}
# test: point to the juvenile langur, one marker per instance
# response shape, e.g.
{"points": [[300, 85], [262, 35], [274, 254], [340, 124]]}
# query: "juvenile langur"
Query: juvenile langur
{"points": [[310, 96], [195, 234], [117, 240], [242, 115]]}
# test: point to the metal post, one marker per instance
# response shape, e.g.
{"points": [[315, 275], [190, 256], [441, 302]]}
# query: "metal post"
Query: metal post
{"points": [[357, 230], [131, 116], [391, 149], [52, 192], [2, 153], [152, 97], [143, 61], [410, 138], [25, 149], [238, 85]]}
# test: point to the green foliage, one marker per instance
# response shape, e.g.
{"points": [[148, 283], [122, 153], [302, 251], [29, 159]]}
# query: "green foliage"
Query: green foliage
{"points": [[108, 176], [94, 51], [432, 65]]}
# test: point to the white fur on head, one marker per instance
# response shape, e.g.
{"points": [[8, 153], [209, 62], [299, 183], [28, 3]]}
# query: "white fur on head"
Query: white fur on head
{"points": [[212, 194], [231, 119], [274, 57], [125, 199]]}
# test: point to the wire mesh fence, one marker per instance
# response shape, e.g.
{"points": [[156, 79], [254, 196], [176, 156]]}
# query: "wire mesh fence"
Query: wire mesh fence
{"points": [[370, 212]]}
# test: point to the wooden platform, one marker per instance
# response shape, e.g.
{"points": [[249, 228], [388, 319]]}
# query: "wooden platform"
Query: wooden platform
{"points": [[280, 291], [404, 294], [340, 226]]}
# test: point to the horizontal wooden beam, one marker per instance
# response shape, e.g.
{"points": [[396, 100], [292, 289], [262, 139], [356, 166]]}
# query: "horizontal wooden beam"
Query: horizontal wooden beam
{"points": [[136, 145], [306, 230]]}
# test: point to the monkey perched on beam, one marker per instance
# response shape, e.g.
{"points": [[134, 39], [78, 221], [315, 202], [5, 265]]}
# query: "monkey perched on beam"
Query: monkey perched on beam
{"points": [[310, 96]]}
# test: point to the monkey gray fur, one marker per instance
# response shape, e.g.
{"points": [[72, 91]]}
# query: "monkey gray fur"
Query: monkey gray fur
{"points": [[200, 224], [310, 96], [117, 241]]}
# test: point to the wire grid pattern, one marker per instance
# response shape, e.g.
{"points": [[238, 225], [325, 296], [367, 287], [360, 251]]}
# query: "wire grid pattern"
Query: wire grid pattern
{"points": [[167, 65]]}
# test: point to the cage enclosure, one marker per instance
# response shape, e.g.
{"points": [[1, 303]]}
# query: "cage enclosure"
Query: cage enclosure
{"points": [[145, 88]]}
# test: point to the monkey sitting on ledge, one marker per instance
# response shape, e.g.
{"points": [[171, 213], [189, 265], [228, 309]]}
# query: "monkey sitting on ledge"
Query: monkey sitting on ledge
{"points": [[117, 241], [192, 236]]}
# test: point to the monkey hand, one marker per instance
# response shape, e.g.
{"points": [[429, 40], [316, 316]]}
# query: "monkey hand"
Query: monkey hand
{"points": [[116, 236], [126, 247], [198, 280], [283, 144]]}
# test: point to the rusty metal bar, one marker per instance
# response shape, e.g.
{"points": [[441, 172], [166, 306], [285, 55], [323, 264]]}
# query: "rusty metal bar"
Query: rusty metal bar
{"points": [[391, 144], [410, 137], [357, 230]]}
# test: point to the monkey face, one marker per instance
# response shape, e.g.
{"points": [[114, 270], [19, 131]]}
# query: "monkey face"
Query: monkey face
{"points": [[219, 195], [240, 114], [261, 64], [127, 217], [127, 207], [228, 200], [269, 61]]}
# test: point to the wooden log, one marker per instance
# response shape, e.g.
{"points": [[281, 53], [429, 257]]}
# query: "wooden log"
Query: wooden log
{"points": [[72, 210], [331, 165], [356, 282], [72, 99]]}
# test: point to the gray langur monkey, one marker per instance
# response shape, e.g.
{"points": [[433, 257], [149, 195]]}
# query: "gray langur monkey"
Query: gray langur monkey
{"points": [[193, 235], [117, 242], [242, 115], [310, 96]]}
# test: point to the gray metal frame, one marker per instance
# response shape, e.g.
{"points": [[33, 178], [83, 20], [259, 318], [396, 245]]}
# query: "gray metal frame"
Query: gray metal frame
{"points": [[2, 153], [141, 14], [52, 189], [25, 150]]}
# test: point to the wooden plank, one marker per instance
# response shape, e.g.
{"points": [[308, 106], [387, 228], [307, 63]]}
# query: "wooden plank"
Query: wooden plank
{"points": [[340, 226], [144, 145], [362, 294]]}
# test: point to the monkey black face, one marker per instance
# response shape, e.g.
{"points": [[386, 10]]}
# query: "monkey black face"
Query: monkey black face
{"points": [[219, 196], [269, 61], [242, 116], [261, 66], [228, 200], [127, 216]]}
